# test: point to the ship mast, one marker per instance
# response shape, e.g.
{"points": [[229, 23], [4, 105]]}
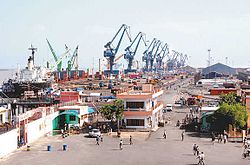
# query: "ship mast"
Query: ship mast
{"points": [[33, 53]]}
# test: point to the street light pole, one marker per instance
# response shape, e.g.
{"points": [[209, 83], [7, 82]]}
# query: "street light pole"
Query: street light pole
{"points": [[209, 57]]}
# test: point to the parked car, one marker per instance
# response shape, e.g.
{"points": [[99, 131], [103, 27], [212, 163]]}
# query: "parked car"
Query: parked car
{"points": [[169, 107], [94, 133], [178, 104]]}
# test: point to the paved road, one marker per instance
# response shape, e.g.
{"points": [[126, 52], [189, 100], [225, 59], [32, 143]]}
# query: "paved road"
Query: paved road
{"points": [[154, 150]]}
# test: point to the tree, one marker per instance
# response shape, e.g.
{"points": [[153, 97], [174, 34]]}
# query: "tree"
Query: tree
{"points": [[113, 112], [119, 106], [230, 98], [107, 111], [227, 114]]}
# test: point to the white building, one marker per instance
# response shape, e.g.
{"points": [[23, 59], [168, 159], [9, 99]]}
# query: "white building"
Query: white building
{"points": [[142, 108]]}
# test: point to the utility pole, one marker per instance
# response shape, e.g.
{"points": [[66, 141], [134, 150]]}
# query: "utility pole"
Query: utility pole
{"points": [[209, 62], [226, 60], [100, 70], [93, 68], [209, 57]]}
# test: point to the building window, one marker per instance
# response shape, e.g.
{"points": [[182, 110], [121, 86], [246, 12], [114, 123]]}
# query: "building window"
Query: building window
{"points": [[135, 122], [135, 105], [72, 118]]}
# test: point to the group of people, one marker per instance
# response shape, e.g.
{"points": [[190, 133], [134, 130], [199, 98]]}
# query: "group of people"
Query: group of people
{"points": [[121, 142], [200, 155], [222, 137], [100, 138], [182, 135]]}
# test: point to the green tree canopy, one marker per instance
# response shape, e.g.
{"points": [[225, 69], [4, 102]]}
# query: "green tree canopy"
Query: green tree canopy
{"points": [[236, 115], [230, 98], [113, 111]]}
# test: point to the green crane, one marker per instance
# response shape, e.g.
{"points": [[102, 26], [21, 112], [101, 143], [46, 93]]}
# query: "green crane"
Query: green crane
{"points": [[73, 61], [58, 60]]}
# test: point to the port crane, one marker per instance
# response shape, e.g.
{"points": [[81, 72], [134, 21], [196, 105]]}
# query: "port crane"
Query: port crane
{"points": [[153, 55], [58, 60], [182, 60], [130, 54], [73, 61], [173, 60], [146, 54], [111, 51], [164, 51]]}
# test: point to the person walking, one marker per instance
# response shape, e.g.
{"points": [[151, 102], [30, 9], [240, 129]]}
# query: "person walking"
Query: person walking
{"points": [[197, 150], [201, 158], [221, 138], [178, 123], [213, 137], [194, 149], [225, 138], [130, 140], [245, 143], [121, 143], [182, 135], [97, 140], [101, 137], [165, 134]]}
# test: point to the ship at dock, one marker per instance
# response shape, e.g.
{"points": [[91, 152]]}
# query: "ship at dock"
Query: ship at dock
{"points": [[31, 81]]}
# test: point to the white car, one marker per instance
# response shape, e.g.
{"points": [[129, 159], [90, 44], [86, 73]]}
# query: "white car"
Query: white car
{"points": [[94, 133], [169, 107]]}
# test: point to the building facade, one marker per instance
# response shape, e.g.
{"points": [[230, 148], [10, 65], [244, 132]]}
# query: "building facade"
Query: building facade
{"points": [[142, 108]]}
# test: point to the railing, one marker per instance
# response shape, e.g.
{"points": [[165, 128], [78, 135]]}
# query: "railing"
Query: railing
{"points": [[135, 109]]}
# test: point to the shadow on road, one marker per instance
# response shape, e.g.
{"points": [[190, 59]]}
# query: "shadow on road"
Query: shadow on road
{"points": [[188, 154], [87, 136], [197, 134], [159, 138], [116, 149], [180, 112]]}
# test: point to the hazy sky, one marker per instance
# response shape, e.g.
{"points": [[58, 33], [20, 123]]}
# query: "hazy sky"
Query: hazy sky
{"points": [[189, 26]]}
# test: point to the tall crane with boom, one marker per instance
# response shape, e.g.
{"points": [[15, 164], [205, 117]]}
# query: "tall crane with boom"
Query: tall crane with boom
{"points": [[173, 60], [152, 56], [130, 54], [57, 59], [146, 54], [51, 67], [159, 59], [182, 60], [111, 51], [73, 61]]}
